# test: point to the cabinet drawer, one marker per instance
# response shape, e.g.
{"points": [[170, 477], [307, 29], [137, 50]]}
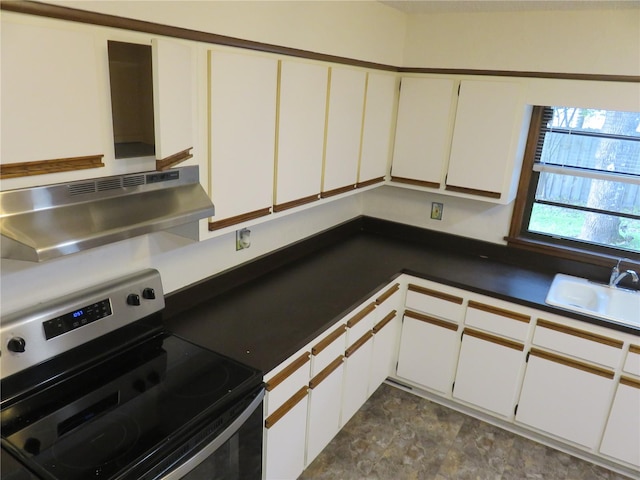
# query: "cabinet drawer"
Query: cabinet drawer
{"points": [[632, 363], [360, 323], [497, 320], [389, 297], [326, 350], [285, 383], [434, 303], [578, 343]]}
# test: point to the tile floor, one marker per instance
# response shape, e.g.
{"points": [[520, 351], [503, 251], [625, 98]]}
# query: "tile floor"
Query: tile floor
{"points": [[399, 436]]}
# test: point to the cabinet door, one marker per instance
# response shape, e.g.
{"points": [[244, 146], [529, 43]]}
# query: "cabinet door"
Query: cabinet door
{"points": [[344, 129], [301, 113], [173, 70], [487, 131], [50, 95], [425, 113], [285, 435], [356, 385], [385, 336], [488, 372], [565, 398], [428, 351], [377, 127], [325, 402], [622, 435], [243, 125]]}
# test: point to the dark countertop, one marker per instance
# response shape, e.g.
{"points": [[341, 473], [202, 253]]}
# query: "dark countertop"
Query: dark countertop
{"points": [[269, 317]]}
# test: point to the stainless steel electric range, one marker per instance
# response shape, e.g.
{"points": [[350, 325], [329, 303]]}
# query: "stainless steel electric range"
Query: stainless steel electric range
{"points": [[93, 386]]}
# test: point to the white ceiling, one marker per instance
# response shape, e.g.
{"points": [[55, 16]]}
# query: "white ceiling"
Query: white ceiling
{"points": [[435, 6]]}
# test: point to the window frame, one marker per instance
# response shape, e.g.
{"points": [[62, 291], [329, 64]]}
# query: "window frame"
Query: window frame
{"points": [[519, 237]]}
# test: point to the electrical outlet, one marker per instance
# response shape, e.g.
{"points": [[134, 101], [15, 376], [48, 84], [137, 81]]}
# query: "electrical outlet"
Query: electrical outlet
{"points": [[243, 239], [436, 210]]}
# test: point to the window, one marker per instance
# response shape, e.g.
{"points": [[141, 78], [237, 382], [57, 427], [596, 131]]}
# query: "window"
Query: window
{"points": [[579, 191]]}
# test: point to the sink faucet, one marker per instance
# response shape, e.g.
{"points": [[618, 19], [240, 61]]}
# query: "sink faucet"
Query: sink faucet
{"points": [[617, 276]]}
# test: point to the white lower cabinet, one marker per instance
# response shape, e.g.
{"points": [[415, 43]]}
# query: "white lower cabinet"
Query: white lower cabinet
{"points": [[622, 434], [488, 372], [356, 384], [565, 398], [428, 351], [286, 431], [385, 335], [325, 403]]}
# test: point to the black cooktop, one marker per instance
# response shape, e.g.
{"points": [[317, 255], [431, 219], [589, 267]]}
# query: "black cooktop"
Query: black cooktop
{"points": [[127, 413]]}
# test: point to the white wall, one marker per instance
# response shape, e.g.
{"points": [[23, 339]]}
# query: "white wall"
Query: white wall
{"points": [[565, 41], [480, 220], [365, 30]]}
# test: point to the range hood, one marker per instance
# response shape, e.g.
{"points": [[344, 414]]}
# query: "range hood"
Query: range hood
{"points": [[42, 223]]}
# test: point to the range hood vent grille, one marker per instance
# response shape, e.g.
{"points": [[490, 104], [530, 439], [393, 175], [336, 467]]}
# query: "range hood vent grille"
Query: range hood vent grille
{"points": [[82, 188], [133, 180], [41, 223]]}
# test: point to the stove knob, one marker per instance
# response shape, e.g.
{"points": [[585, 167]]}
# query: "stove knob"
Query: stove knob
{"points": [[133, 299], [149, 293], [16, 345]]}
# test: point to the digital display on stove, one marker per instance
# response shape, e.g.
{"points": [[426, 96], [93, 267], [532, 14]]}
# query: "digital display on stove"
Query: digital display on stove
{"points": [[76, 319]]}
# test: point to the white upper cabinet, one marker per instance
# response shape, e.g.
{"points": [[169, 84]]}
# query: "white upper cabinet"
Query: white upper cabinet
{"points": [[344, 129], [50, 94], [488, 139], [300, 140], [465, 144], [425, 113], [242, 101], [377, 126], [173, 79]]}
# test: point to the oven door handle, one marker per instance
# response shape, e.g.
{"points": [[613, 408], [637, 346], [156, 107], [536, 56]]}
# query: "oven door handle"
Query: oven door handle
{"points": [[220, 440]]}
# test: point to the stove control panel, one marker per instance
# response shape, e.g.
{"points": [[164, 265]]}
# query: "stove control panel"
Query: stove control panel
{"points": [[39, 333]]}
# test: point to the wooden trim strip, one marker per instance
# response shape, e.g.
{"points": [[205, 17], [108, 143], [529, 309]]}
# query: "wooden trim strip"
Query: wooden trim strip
{"points": [[368, 183], [435, 294], [227, 222], [93, 18], [472, 191], [432, 320], [520, 317], [328, 340], [41, 167], [295, 203], [328, 370], [358, 343], [493, 339], [173, 160], [286, 372], [523, 74], [286, 407], [382, 323], [580, 333], [630, 382], [337, 191], [388, 293], [634, 349], [418, 183], [360, 315], [572, 363]]}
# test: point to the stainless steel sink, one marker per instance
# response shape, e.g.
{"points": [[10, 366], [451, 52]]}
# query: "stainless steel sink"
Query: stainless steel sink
{"points": [[594, 299]]}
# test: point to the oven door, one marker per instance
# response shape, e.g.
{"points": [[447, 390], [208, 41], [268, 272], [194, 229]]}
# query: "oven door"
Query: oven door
{"points": [[236, 454]]}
